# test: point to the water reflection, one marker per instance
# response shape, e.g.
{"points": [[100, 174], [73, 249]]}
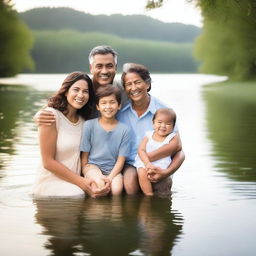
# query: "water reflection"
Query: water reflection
{"points": [[231, 127], [17, 106], [109, 226]]}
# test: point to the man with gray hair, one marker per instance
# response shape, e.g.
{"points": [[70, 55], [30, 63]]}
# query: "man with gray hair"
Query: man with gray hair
{"points": [[103, 67]]}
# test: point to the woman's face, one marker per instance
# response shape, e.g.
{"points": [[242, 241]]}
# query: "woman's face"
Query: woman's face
{"points": [[135, 87], [78, 94]]}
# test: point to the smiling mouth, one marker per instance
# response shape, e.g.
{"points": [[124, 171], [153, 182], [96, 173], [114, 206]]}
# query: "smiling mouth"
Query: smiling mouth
{"points": [[135, 93], [79, 101], [105, 77]]}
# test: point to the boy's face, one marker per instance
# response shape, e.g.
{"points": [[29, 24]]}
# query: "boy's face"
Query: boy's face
{"points": [[163, 124], [103, 69], [108, 106]]}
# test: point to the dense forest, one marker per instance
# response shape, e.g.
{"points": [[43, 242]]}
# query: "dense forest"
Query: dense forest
{"points": [[227, 43], [66, 50], [63, 41], [16, 41], [126, 26]]}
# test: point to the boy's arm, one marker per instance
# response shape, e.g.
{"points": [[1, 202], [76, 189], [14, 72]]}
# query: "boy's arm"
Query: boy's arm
{"points": [[84, 160], [117, 168], [167, 150]]}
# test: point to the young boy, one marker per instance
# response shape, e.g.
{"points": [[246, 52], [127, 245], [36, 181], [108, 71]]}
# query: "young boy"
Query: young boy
{"points": [[105, 142]]}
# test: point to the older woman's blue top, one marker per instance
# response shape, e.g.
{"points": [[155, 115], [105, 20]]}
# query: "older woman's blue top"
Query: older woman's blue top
{"points": [[139, 125]]}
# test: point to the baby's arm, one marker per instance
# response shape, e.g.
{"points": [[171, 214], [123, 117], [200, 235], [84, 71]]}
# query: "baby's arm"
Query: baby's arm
{"points": [[169, 149], [143, 154]]}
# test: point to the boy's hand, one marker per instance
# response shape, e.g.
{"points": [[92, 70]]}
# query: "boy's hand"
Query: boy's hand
{"points": [[44, 117]]}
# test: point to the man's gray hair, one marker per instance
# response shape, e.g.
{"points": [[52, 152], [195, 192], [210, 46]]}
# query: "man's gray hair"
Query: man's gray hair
{"points": [[103, 50]]}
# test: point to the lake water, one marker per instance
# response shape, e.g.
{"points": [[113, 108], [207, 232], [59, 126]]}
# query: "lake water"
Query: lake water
{"points": [[213, 204]]}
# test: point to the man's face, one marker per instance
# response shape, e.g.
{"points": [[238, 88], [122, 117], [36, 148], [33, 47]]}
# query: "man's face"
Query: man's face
{"points": [[103, 69]]}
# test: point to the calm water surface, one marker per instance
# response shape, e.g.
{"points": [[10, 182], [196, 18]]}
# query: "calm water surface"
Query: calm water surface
{"points": [[213, 204]]}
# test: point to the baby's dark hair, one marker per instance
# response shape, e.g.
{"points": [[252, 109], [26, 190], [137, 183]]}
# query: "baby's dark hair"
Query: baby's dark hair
{"points": [[166, 111], [107, 90]]}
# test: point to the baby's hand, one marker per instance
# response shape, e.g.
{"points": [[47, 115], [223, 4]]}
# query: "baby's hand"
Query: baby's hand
{"points": [[150, 166]]}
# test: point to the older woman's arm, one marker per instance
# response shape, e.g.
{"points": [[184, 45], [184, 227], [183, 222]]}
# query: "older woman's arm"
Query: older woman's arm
{"points": [[157, 174], [167, 150]]}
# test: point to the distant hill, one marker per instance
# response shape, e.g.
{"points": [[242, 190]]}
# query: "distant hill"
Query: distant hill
{"points": [[130, 26]]}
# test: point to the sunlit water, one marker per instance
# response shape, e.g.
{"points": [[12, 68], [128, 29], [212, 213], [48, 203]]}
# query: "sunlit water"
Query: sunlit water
{"points": [[213, 204]]}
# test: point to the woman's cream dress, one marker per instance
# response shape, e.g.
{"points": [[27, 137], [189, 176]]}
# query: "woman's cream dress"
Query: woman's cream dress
{"points": [[67, 153]]}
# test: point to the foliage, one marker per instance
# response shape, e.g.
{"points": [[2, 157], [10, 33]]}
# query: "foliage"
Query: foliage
{"points": [[129, 26], [151, 4], [227, 44], [15, 43], [65, 50]]}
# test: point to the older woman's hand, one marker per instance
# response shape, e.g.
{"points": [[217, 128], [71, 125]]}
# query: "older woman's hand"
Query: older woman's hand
{"points": [[156, 174]]}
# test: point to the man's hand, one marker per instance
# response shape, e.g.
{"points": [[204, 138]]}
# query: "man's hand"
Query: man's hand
{"points": [[156, 174], [44, 117]]}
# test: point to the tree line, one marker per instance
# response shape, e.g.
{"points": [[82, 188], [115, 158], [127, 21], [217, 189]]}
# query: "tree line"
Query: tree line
{"points": [[125, 26], [66, 50], [227, 43]]}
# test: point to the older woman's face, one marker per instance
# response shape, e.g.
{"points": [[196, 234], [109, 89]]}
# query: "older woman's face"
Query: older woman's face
{"points": [[135, 87]]}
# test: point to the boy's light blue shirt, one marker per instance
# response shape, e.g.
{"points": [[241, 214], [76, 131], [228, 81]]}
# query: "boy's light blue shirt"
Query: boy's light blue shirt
{"points": [[103, 146], [139, 125]]}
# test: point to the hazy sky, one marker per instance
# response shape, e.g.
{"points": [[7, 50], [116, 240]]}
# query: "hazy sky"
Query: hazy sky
{"points": [[173, 10]]}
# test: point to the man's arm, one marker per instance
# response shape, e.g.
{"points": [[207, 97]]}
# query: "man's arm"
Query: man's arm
{"points": [[44, 117]]}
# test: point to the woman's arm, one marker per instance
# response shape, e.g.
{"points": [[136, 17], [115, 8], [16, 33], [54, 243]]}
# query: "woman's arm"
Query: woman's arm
{"points": [[47, 140], [117, 168], [167, 150]]}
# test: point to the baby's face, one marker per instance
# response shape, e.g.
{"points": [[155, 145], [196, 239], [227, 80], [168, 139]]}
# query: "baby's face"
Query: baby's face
{"points": [[163, 124]]}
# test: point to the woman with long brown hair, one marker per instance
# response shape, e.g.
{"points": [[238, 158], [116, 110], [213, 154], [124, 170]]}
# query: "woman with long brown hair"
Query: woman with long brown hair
{"points": [[59, 173]]}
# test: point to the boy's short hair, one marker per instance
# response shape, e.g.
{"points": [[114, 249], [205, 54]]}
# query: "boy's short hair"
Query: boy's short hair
{"points": [[166, 111], [107, 90]]}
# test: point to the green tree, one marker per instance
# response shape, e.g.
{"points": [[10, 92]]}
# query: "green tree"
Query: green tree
{"points": [[227, 43], [15, 42]]}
